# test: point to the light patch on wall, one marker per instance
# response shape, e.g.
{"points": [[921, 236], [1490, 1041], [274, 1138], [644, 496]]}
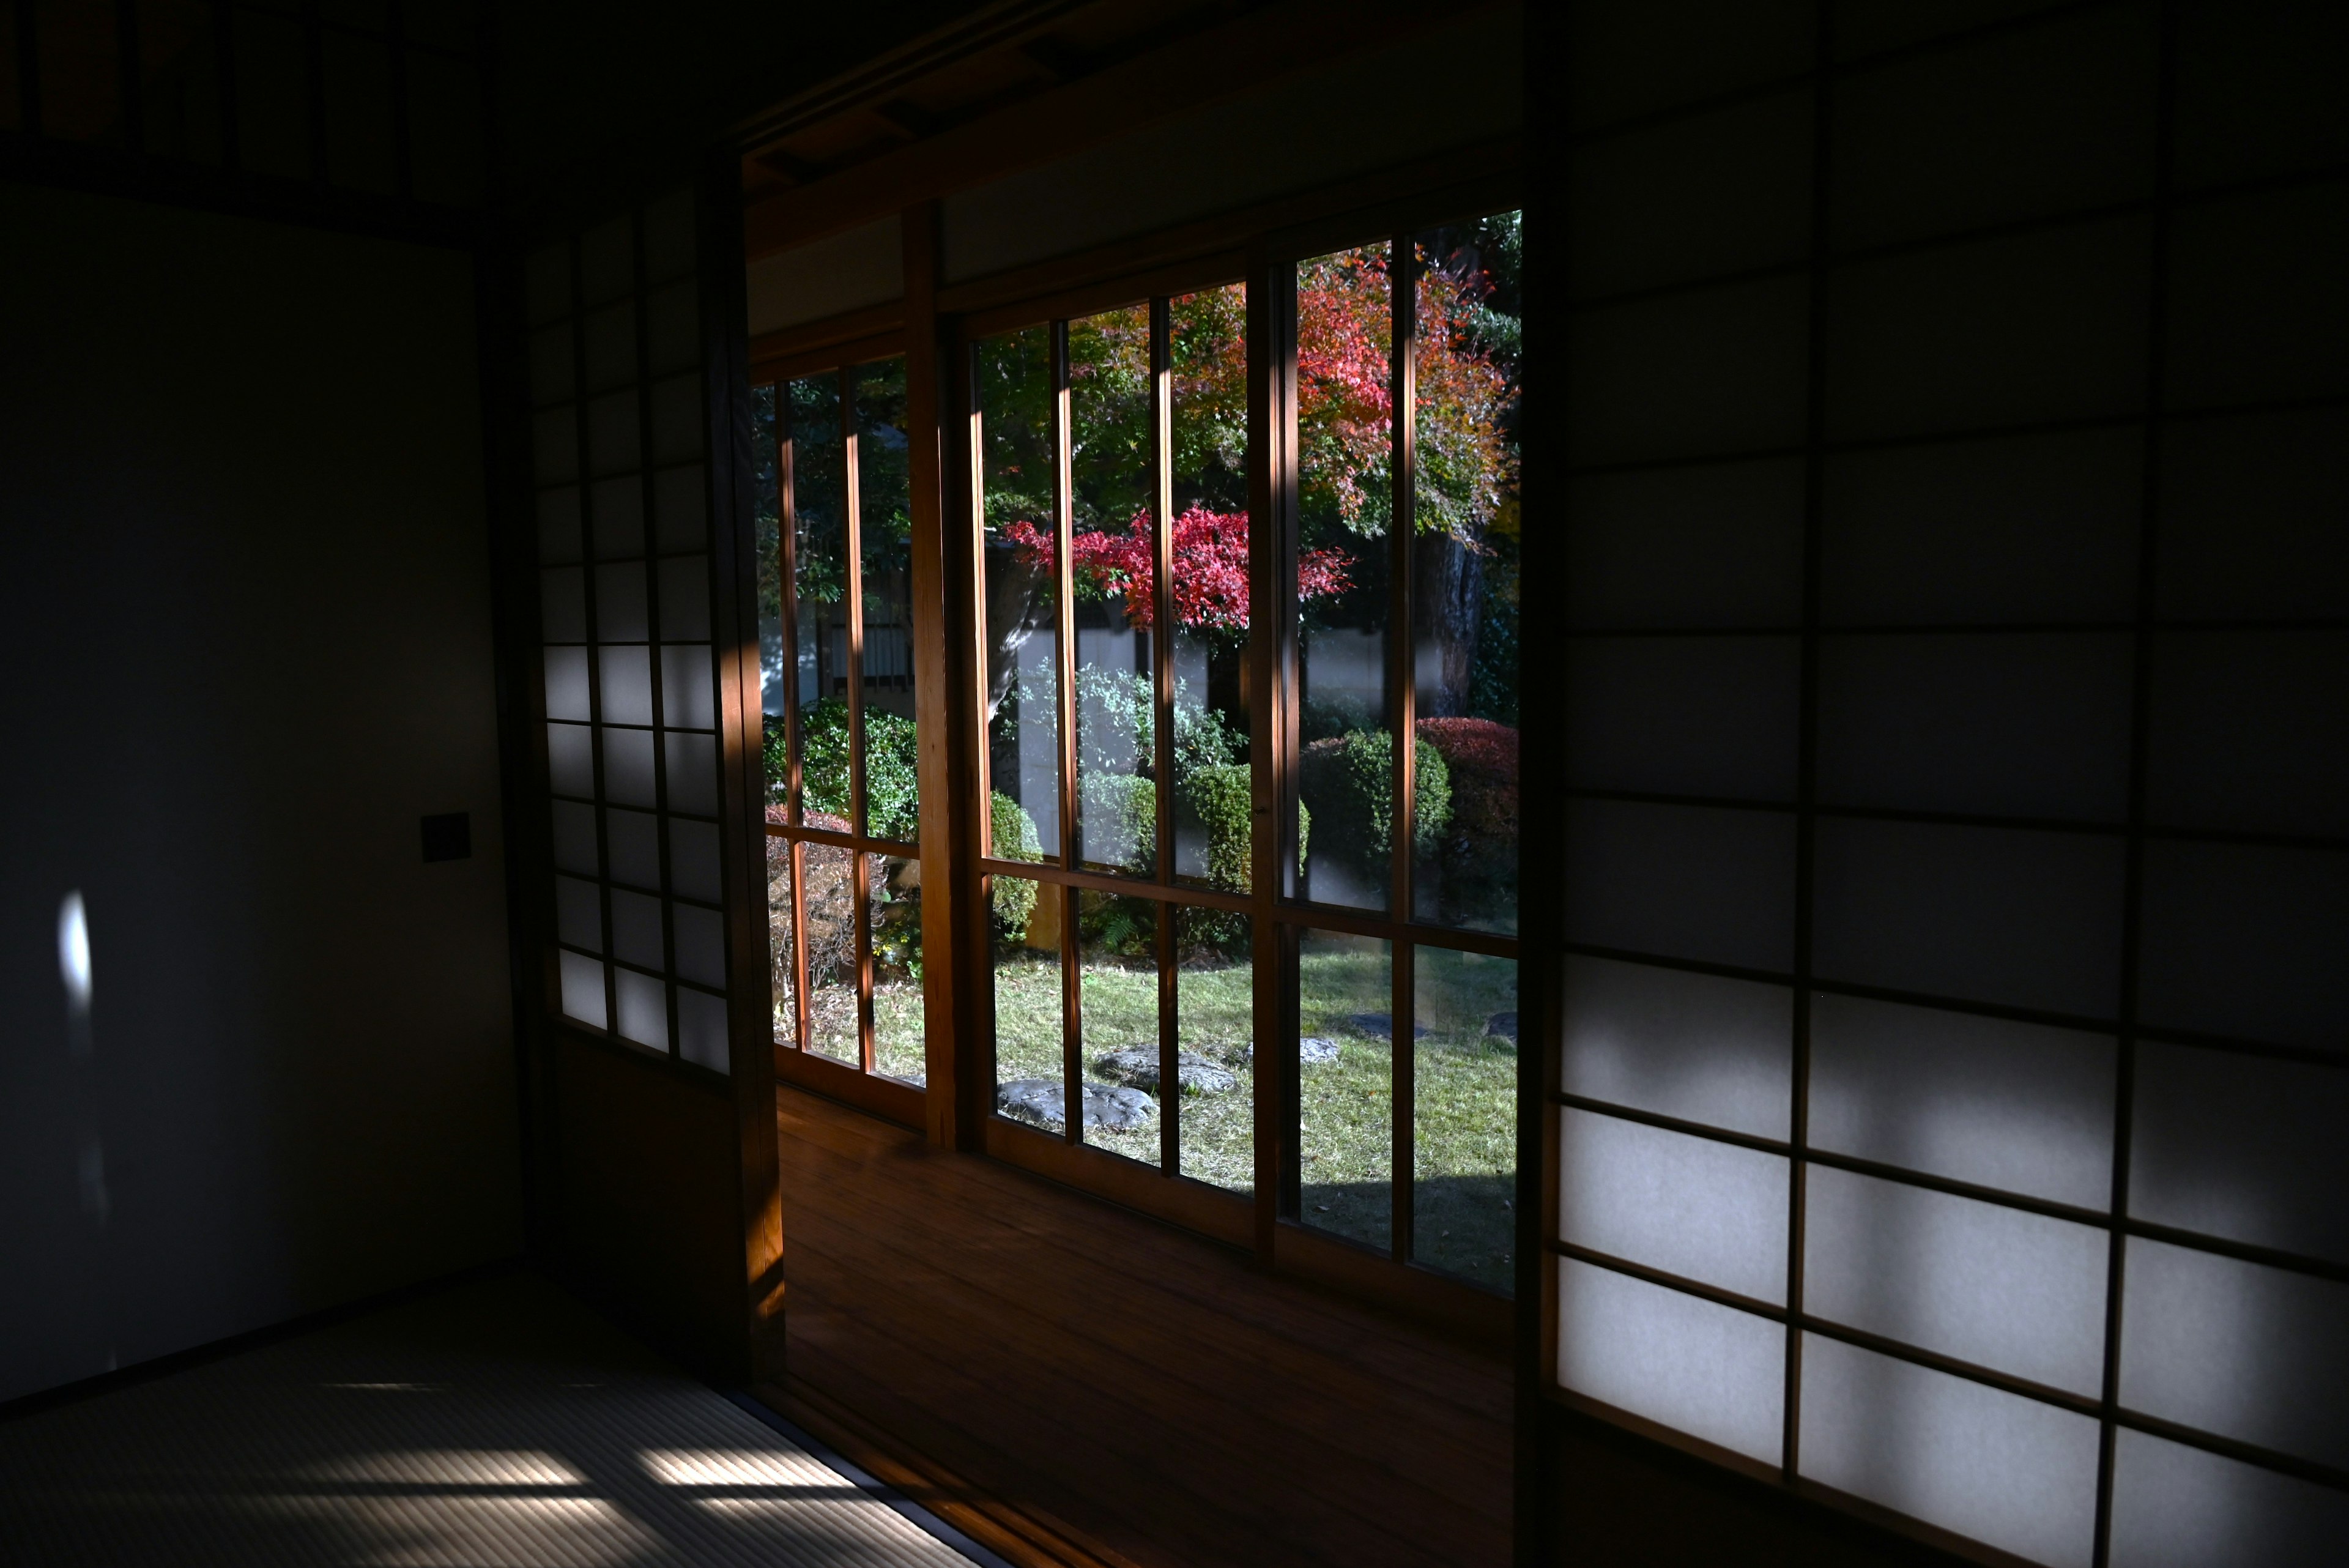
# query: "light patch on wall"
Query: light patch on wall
{"points": [[832, 277], [73, 953]]}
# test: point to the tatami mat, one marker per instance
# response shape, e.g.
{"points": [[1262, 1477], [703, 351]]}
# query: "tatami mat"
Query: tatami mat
{"points": [[494, 1425]]}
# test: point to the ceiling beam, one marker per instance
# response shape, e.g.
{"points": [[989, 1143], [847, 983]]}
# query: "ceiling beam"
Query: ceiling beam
{"points": [[1259, 48]]}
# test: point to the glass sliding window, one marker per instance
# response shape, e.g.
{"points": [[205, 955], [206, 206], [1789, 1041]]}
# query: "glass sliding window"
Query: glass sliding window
{"points": [[1206, 343], [1345, 502], [1112, 552], [1014, 377], [844, 912], [1404, 623], [1123, 1014]]}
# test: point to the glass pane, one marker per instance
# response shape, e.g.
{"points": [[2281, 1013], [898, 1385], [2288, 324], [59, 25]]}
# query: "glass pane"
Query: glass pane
{"points": [[1207, 356], [1117, 950], [816, 494], [1464, 541], [1346, 1087], [766, 499], [1110, 552], [828, 901], [1215, 1022], [1018, 468], [885, 543], [1029, 1059], [1345, 500], [896, 913], [1464, 1122], [782, 962]]}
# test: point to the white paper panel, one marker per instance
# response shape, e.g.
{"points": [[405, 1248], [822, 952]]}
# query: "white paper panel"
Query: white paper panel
{"points": [[1710, 1371], [570, 760], [1682, 881], [692, 773], [615, 508], [644, 1008], [2237, 1349], [567, 684], [628, 766], [2176, 1507], [1997, 1287], [2018, 528], [636, 929], [701, 1029], [684, 598], [1998, 723], [1705, 1210], [558, 525], [582, 989], [1715, 716], [701, 936], [2016, 329], [578, 914], [620, 602], [2018, 1106], [575, 838], [1703, 373], [1697, 1047], [632, 838], [2246, 940], [563, 604], [689, 700], [1987, 914], [1713, 545], [627, 694], [693, 860], [2009, 1471], [2242, 1147], [2248, 733]]}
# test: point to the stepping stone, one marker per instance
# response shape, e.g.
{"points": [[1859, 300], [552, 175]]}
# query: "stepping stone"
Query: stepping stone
{"points": [[1138, 1065], [1040, 1102], [1503, 1025], [1381, 1025], [1312, 1050]]}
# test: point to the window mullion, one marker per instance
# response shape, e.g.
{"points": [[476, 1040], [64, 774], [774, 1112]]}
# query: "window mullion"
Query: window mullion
{"points": [[1064, 639], [1401, 291], [1161, 534], [852, 577]]}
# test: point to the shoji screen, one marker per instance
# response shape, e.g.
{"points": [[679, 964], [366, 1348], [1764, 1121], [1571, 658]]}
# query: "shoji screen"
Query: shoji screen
{"points": [[1957, 871], [624, 534]]}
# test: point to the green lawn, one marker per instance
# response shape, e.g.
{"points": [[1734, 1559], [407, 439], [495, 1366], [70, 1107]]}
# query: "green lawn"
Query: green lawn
{"points": [[1465, 1138]]}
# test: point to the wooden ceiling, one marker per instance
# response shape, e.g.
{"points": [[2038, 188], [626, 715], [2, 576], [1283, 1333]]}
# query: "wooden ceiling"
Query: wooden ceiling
{"points": [[1021, 82]]}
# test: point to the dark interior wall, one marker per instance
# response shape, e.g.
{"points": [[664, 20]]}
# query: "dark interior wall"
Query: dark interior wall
{"points": [[244, 631]]}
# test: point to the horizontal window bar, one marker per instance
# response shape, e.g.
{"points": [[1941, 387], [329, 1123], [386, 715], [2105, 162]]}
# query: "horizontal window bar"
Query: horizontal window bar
{"points": [[2022, 1387], [1948, 437], [2232, 1045], [844, 840]]}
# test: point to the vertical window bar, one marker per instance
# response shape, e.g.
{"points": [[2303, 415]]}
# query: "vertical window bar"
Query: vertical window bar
{"points": [[2140, 731], [655, 655], [1064, 683], [1162, 649], [786, 550], [1402, 528], [853, 577], [1798, 1117], [594, 663]]}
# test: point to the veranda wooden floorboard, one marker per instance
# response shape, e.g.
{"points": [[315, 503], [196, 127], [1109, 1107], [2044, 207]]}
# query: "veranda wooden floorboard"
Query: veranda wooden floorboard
{"points": [[1151, 1390]]}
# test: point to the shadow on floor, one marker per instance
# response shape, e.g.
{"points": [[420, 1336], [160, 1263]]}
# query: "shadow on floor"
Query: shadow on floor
{"points": [[494, 1425]]}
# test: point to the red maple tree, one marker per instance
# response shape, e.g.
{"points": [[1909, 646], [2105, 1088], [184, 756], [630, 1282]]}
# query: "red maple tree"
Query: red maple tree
{"points": [[1211, 568]]}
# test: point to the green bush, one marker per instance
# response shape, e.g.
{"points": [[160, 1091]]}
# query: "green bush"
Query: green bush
{"points": [[1349, 778], [1015, 839], [1119, 820], [892, 785]]}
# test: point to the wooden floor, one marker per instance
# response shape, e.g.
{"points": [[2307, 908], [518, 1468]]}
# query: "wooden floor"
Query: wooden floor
{"points": [[1138, 1395]]}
